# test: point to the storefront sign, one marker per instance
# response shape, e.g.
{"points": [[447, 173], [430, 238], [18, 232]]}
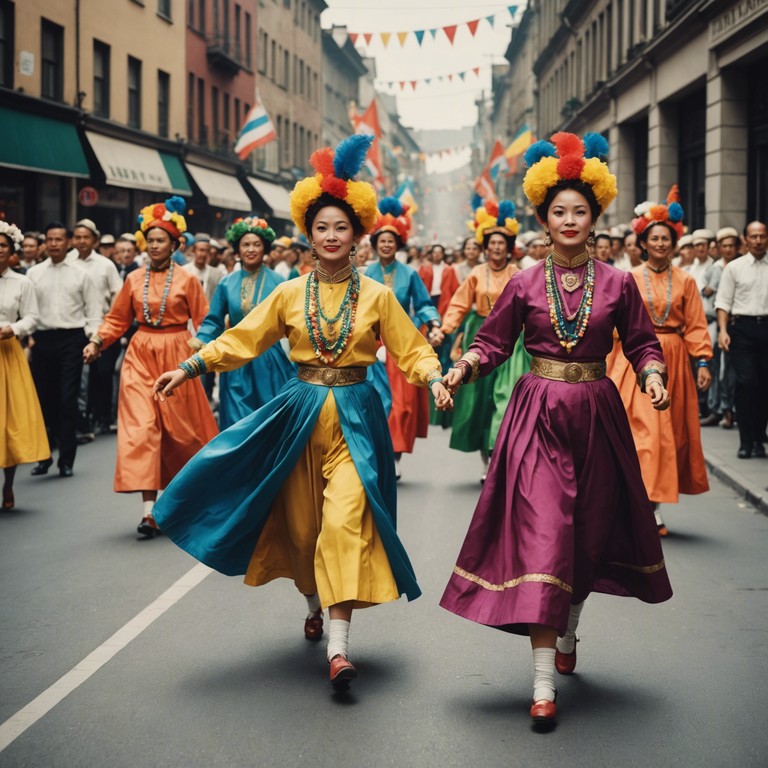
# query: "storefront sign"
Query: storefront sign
{"points": [[738, 16], [88, 196], [26, 63]]}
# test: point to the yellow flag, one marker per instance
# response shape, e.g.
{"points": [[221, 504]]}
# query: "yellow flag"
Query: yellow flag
{"points": [[385, 38], [401, 36]]}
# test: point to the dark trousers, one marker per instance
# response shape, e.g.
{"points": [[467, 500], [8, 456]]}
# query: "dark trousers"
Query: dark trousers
{"points": [[100, 386], [749, 358], [57, 362]]}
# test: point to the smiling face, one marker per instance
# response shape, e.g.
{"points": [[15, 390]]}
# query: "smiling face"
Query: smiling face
{"points": [[472, 251], [386, 246], [569, 220], [658, 245], [333, 237], [251, 251]]}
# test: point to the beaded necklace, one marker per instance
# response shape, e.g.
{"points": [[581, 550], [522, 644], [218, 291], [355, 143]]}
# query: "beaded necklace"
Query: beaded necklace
{"points": [[658, 321], [248, 290], [147, 316], [326, 349], [389, 276], [569, 330]]}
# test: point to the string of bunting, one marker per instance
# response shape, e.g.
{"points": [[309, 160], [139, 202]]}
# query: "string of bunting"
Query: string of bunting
{"points": [[449, 31], [422, 81]]}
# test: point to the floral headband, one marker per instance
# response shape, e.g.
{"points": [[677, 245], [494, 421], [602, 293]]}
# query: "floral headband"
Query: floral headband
{"points": [[250, 225], [168, 216], [12, 231], [649, 214]]}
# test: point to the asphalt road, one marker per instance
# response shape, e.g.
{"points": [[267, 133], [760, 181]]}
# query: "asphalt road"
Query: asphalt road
{"points": [[218, 674]]}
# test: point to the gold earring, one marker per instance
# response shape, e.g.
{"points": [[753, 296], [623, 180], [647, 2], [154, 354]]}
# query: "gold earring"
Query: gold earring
{"points": [[314, 252], [353, 252], [591, 239], [548, 239]]}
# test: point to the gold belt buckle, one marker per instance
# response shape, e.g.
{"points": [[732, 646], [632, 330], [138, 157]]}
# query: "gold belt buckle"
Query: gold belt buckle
{"points": [[329, 376], [573, 373]]}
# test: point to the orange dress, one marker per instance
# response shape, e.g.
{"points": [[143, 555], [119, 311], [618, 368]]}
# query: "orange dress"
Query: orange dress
{"points": [[668, 442], [154, 442]]}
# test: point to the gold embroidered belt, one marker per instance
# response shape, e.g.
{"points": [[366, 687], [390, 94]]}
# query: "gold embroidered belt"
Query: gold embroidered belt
{"points": [[331, 377], [561, 370]]}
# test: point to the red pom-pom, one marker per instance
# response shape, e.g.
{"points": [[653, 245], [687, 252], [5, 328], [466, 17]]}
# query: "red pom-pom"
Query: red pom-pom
{"points": [[334, 186], [406, 208], [492, 207], [568, 144], [639, 224], [322, 161], [570, 166], [158, 209]]}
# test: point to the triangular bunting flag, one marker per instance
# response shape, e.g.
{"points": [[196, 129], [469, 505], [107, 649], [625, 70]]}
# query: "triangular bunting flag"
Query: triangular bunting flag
{"points": [[413, 84], [450, 78], [450, 32], [433, 32], [391, 84], [419, 35], [490, 19], [473, 26], [339, 35], [461, 75], [402, 85], [440, 78], [476, 70], [401, 36], [353, 37], [512, 9], [367, 36], [427, 80], [385, 38]]}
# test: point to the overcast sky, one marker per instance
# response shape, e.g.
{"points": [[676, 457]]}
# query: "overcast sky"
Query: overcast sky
{"points": [[437, 105]]}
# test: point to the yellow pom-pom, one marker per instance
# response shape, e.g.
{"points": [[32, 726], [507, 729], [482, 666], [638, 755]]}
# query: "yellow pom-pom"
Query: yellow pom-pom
{"points": [[539, 178], [602, 181], [141, 243], [361, 196], [304, 194], [512, 225]]}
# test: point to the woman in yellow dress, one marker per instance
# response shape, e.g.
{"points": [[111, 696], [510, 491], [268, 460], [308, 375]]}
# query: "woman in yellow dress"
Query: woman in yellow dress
{"points": [[309, 477], [22, 435]]}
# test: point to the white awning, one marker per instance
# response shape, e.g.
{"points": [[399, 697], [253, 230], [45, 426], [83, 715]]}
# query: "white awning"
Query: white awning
{"points": [[222, 190], [275, 196], [136, 167]]}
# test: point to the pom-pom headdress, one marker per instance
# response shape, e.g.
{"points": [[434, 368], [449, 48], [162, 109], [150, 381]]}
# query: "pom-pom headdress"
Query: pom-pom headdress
{"points": [[12, 231], [567, 156], [495, 218], [168, 216], [393, 217], [649, 214], [250, 225], [335, 172]]}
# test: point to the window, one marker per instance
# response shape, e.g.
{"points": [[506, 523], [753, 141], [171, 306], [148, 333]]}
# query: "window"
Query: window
{"points": [[6, 44], [236, 31], [273, 69], [52, 60], [225, 111], [237, 114], [263, 52], [164, 8], [134, 92], [201, 17], [215, 115], [100, 79], [286, 161], [202, 134], [225, 24], [163, 102], [191, 13], [248, 50], [191, 106], [216, 18], [286, 70]]}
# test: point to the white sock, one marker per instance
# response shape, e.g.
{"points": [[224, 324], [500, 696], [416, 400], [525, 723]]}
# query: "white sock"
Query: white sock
{"points": [[567, 643], [659, 521], [313, 604], [148, 506], [338, 639], [544, 674]]}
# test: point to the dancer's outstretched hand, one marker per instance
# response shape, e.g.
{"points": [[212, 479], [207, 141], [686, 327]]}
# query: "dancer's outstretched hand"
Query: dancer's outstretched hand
{"points": [[659, 396], [167, 382], [443, 399], [452, 379]]}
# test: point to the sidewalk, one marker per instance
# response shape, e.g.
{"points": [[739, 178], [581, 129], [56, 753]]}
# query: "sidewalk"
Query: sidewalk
{"points": [[749, 477]]}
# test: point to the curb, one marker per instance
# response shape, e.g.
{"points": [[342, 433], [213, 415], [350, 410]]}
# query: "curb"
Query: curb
{"points": [[756, 496]]}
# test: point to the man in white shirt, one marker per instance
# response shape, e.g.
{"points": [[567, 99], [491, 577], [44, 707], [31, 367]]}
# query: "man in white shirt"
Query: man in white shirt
{"points": [[70, 310], [208, 276], [700, 240], [742, 318]]}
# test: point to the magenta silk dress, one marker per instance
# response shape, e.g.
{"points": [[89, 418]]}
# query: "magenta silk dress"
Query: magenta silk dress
{"points": [[563, 511]]}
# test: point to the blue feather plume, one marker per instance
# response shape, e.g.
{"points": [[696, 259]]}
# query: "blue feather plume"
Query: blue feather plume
{"points": [[506, 211], [675, 212], [390, 205], [537, 150], [476, 201], [595, 145], [176, 204], [350, 155]]}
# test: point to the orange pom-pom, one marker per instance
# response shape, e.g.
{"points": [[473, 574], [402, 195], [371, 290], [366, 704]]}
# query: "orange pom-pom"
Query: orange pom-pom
{"points": [[658, 213], [570, 166], [492, 207], [673, 196], [568, 144], [334, 186], [322, 161], [158, 209]]}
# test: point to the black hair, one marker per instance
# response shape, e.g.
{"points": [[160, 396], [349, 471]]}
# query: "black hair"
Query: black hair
{"points": [[509, 238], [643, 236], [437, 245], [576, 184], [603, 236], [471, 238], [398, 239], [236, 243], [10, 241], [57, 225], [327, 200], [750, 223]]}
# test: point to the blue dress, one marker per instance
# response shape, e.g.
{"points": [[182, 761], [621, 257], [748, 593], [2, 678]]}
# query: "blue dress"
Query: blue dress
{"points": [[246, 389]]}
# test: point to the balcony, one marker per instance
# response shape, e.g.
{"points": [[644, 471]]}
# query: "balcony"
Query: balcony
{"points": [[224, 54]]}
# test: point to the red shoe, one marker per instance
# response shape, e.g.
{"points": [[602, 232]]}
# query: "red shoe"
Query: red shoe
{"points": [[663, 530], [543, 713], [565, 663], [342, 671], [313, 626]]}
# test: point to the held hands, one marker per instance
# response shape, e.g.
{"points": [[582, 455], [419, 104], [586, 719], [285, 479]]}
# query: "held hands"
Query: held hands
{"points": [[443, 399], [452, 380], [435, 337], [703, 379], [659, 395], [167, 382], [6, 332], [91, 352]]}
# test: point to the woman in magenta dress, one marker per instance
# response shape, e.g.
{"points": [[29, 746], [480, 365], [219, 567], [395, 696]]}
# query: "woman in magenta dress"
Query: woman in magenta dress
{"points": [[563, 511]]}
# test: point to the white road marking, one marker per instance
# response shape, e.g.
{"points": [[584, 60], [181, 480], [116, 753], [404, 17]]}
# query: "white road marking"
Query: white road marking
{"points": [[26, 717]]}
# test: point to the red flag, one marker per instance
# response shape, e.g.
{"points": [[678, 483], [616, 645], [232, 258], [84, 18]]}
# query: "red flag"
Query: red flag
{"points": [[353, 37], [368, 36], [450, 32], [368, 123], [473, 26], [476, 70], [413, 84], [484, 186]]}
